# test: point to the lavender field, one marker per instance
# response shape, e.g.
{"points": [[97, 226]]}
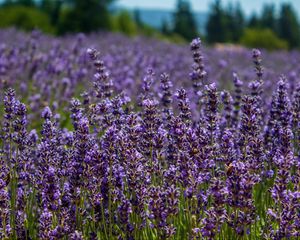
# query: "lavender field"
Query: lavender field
{"points": [[109, 137]]}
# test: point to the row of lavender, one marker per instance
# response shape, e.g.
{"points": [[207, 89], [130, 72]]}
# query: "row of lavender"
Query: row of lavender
{"points": [[49, 71], [157, 166]]}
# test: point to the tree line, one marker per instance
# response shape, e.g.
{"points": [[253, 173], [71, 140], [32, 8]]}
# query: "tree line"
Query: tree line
{"points": [[272, 28], [229, 24], [62, 16]]}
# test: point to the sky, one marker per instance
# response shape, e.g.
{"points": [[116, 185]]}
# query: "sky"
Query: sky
{"points": [[203, 5]]}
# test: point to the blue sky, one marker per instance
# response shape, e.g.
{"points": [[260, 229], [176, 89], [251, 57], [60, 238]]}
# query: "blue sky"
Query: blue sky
{"points": [[203, 5]]}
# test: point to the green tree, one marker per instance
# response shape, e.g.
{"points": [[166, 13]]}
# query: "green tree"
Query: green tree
{"points": [[137, 18], [254, 21], [268, 18], [234, 22], [288, 26], [26, 18], [52, 8], [184, 22], [85, 16], [239, 23], [165, 28], [216, 23], [27, 3]]}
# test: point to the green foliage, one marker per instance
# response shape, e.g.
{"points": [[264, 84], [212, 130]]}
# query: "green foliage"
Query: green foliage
{"points": [[175, 38], [137, 18], [228, 25], [84, 16], [288, 25], [225, 24], [234, 22], [184, 22], [26, 3], [148, 31], [268, 18], [125, 23], [67, 16], [216, 24], [254, 21], [25, 18], [165, 28], [262, 38], [52, 9]]}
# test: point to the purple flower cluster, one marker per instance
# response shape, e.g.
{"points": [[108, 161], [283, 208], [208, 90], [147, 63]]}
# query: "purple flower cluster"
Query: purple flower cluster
{"points": [[155, 158]]}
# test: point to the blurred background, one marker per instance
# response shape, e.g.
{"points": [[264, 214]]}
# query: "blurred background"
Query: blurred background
{"points": [[251, 23]]}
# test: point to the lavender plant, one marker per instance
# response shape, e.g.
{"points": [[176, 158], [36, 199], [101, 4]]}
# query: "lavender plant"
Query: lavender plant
{"points": [[130, 143]]}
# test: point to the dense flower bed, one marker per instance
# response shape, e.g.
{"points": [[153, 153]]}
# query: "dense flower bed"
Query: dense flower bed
{"points": [[153, 148]]}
